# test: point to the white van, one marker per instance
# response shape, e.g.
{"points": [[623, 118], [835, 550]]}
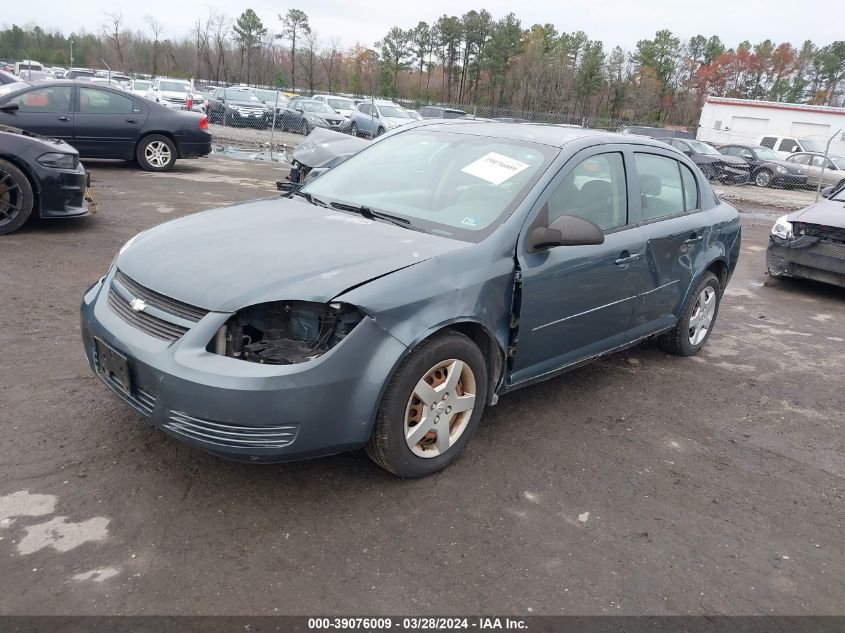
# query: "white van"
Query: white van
{"points": [[784, 146], [27, 64]]}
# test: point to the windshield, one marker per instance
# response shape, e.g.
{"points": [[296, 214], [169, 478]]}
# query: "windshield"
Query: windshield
{"points": [[141, 85], [341, 104], [269, 96], [174, 86], [839, 161], [392, 111], [315, 106], [766, 154], [454, 185], [240, 95], [702, 148]]}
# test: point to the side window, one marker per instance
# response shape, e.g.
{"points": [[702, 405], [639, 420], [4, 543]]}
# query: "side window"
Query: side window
{"points": [[801, 159], [594, 190], [53, 99], [690, 189], [364, 108], [730, 151], [94, 101], [788, 145], [746, 154], [768, 141], [661, 189], [818, 161]]}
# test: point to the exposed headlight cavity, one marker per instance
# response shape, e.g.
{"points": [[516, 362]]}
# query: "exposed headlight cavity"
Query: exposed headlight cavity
{"points": [[782, 228], [285, 332]]}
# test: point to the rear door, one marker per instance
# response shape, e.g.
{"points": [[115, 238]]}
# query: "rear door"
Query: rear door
{"points": [[107, 123], [45, 110], [577, 301], [676, 232]]}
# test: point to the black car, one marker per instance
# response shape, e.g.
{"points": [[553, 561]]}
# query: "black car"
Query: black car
{"points": [[38, 175], [103, 122], [303, 115], [767, 168], [712, 163], [441, 112], [239, 108]]}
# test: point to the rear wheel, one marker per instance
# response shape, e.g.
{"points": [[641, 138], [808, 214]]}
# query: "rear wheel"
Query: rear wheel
{"points": [[431, 407], [156, 153], [698, 317], [16, 198], [380, 131], [353, 129]]}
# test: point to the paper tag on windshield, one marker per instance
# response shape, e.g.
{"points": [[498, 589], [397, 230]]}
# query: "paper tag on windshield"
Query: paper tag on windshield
{"points": [[495, 168]]}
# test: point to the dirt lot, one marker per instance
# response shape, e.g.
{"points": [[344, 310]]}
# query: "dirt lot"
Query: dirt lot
{"points": [[641, 483]]}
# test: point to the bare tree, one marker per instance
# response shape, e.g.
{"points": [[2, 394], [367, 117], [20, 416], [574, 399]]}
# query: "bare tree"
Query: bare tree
{"points": [[331, 59], [294, 24], [221, 26], [157, 28], [308, 60], [113, 34]]}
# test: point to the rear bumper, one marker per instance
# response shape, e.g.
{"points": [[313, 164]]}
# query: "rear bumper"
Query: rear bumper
{"points": [[807, 258], [194, 149], [62, 192]]}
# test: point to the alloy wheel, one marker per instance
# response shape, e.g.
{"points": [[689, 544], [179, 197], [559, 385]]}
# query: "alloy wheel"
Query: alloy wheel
{"points": [[763, 178], [702, 315], [11, 200], [440, 408], [157, 154]]}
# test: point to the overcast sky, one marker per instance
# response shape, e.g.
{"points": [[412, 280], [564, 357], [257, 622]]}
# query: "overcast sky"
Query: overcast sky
{"points": [[614, 22]]}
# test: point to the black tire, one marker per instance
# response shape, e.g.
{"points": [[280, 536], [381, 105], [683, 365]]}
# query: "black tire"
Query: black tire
{"points": [[16, 198], [353, 129], [677, 340], [380, 131], [763, 178], [387, 446], [304, 129], [161, 161]]}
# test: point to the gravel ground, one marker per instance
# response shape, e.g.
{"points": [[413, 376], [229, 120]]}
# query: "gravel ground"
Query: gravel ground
{"points": [[250, 138], [640, 483]]}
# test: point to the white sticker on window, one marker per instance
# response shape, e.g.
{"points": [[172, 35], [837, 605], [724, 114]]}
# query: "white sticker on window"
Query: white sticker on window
{"points": [[495, 168]]}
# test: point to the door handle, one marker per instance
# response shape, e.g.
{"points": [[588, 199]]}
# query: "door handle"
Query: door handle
{"points": [[64, 118], [694, 239], [131, 120], [625, 258]]}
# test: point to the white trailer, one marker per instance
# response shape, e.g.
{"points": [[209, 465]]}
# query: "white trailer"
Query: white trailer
{"points": [[726, 120]]}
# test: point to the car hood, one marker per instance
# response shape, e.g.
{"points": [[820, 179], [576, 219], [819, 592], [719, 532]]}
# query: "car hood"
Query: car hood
{"points": [[824, 212], [396, 121], [322, 146], [280, 248], [792, 168], [245, 102]]}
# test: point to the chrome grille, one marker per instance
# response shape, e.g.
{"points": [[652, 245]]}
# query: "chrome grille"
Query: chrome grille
{"points": [[153, 298], [153, 326], [230, 435]]}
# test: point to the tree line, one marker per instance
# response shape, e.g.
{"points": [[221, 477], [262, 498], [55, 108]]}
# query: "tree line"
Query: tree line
{"points": [[472, 60]]}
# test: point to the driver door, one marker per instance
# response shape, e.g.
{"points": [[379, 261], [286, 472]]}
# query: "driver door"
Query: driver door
{"points": [[45, 110], [578, 301]]}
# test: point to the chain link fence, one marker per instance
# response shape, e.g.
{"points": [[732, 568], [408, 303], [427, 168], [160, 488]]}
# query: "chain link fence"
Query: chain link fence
{"points": [[257, 117]]}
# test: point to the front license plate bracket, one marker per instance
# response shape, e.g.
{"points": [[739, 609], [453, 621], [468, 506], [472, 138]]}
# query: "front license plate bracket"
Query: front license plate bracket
{"points": [[113, 366]]}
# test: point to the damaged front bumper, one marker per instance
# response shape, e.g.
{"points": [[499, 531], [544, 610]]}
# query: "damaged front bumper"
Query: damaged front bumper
{"points": [[238, 409], [807, 257]]}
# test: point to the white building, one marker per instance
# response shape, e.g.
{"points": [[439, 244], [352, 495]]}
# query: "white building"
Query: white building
{"points": [[725, 120]]}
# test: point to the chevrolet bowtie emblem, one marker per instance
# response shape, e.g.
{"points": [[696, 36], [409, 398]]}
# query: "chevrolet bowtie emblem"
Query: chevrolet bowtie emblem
{"points": [[138, 305]]}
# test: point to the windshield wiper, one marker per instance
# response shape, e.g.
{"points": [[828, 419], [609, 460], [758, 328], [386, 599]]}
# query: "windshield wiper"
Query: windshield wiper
{"points": [[368, 213], [309, 198]]}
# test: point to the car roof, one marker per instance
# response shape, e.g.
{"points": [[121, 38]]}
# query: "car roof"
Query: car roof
{"points": [[541, 133]]}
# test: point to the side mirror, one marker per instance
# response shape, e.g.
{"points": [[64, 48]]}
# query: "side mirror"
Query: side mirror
{"points": [[828, 191], [300, 110], [567, 230], [10, 107]]}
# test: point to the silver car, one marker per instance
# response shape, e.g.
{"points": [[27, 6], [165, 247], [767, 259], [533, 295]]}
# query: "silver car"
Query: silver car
{"points": [[830, 170]]}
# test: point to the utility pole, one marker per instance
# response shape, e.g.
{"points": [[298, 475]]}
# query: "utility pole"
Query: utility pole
{"points": [[71, 53]]}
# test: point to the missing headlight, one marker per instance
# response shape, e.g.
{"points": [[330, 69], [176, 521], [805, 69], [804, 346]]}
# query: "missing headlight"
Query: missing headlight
{"points": [[285, 332]]}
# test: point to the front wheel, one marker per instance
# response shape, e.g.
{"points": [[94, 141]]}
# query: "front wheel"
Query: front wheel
{"points": [[156, 153], [763, 178], [16, 198], [304, 129], [353, 130], [698, 317], [431, 407], [380, 131]]}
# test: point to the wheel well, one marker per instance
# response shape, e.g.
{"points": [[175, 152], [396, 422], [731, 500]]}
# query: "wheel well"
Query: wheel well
{"points": [[720, 269], [160, 133], [489, 348]]}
